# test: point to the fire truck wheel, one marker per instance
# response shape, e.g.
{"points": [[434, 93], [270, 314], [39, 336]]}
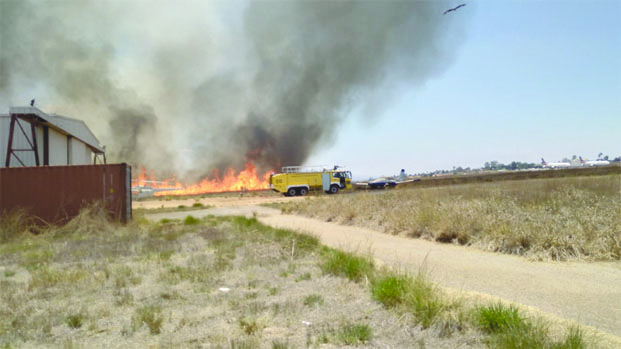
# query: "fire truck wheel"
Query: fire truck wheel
{"points": [[292, 192], [334, 189], [303, 191]]}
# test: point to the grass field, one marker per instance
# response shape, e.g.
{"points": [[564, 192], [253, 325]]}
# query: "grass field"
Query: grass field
{"points": [[497, 176], [221, 282], [228, 283], [552, 219]]}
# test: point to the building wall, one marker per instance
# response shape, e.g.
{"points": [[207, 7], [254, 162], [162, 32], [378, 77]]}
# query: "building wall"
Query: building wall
{"points": [[80, 153], [57, 148], [62, 150], [4, 137]]}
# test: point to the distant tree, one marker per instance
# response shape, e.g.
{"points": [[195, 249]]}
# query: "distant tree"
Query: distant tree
{"points": [[606, 157], [574, 157], [617, 159], [599, 156]]}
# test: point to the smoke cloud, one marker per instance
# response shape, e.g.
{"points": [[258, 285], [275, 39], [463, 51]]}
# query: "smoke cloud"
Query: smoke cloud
{"points": [[194, 86]]}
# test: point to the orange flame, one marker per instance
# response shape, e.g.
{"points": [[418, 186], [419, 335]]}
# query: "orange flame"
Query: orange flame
{"points": [[247, 179]]}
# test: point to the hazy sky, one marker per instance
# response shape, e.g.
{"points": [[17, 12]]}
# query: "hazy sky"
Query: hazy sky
{"points": [[530, 79]]}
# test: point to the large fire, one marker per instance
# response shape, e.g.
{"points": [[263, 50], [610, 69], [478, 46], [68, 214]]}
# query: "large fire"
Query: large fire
{"points": [[246, 179]]}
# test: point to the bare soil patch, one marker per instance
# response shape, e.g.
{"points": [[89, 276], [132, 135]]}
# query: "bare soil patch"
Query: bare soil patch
{"points": [[215, 200]]}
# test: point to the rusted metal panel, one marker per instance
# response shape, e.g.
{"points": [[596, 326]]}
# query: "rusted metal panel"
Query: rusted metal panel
{"points": [[57, 193]]}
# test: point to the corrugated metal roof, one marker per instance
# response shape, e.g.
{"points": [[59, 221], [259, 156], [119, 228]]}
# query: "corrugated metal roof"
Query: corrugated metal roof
{"points": [[73, 127]]}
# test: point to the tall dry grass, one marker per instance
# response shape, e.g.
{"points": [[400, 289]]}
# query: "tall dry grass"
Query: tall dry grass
{"points": [[93, 283], [552, 219]]}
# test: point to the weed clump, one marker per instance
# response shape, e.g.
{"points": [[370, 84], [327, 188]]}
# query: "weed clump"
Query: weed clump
{"points": [[191, 220], [497, 318], [249, 326], [416, 295], [150, 316], [14, 224], [390, 290], [75, 320], [574, 339], [303, 277], [354, 334], [312, 300], [509, 329], [340, 263]]}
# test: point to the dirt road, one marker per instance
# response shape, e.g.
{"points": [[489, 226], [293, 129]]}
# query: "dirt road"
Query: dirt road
{"points": [[589, 293], [225, 200]]}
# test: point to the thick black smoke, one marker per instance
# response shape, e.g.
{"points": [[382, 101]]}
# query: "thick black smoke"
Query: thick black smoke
{"points": [[204, 85]]}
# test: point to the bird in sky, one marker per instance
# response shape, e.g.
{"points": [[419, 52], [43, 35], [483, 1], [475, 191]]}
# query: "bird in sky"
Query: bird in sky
{"points": [[32, 103], [453, 9]]}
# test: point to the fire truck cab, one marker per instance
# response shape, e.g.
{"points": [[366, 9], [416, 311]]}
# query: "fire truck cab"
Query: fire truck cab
{"points": [[299, 180]]}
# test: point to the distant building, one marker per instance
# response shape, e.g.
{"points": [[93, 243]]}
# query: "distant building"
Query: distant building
{"points": [[30, 137]]}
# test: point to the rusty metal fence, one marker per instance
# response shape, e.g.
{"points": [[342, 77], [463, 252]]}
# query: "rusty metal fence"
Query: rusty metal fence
{"points": [[56, 194]]}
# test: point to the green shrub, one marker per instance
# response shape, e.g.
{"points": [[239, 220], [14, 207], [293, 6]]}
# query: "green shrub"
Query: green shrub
{"points": [[497, 318], [197, 204], [190, 220], [340, 263], [390, 290], [508, 329]]}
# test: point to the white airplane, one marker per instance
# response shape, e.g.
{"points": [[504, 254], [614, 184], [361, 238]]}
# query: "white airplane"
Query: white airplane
{"points": [[145, 191], [388, 182], [594, 162], [555, 164]]}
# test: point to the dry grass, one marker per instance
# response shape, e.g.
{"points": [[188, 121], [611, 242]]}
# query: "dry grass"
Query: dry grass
{"points": [[550, 219], [219, 282]]}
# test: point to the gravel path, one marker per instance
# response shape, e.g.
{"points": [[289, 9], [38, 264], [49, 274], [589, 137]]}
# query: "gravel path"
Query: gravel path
{"points": [[589, 293]]}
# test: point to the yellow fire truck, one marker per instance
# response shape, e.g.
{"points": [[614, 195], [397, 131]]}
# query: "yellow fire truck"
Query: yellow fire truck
{"points": [[299, 180]]}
